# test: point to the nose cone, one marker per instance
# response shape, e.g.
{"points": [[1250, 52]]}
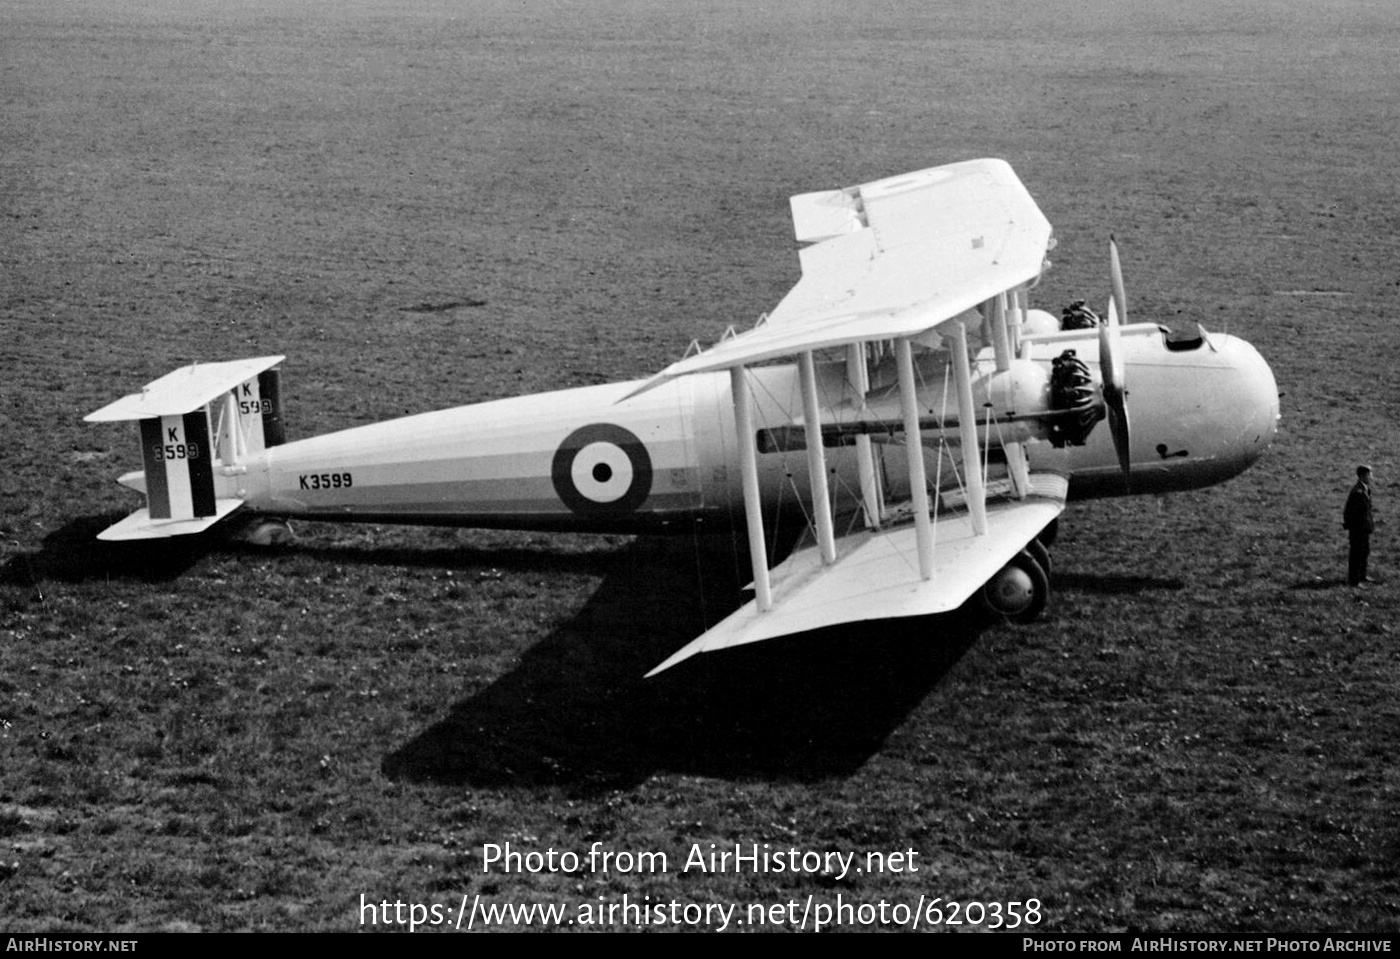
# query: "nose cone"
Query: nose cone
{"points": [[1257, 393]]}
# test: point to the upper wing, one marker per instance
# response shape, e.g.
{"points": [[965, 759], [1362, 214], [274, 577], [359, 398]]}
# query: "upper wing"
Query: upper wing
{"points": [[877, 575], [894, 258], [183, 390]]}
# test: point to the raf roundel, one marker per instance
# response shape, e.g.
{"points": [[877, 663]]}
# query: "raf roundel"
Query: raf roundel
{"points": [[602, 469]]}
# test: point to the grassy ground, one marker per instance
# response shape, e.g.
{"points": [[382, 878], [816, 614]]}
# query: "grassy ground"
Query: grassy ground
{"points": [[429, 204]]}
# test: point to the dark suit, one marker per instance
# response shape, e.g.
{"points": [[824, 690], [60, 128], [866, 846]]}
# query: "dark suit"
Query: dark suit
{"points": [[1359, 523]]}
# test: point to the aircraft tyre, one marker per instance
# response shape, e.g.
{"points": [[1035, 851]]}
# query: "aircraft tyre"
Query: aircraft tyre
{"points": [[1020, 591], [265, 531], [1041, 555]]}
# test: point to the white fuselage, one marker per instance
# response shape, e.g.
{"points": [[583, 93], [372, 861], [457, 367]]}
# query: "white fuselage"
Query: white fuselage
{"points": [[586, 459]]}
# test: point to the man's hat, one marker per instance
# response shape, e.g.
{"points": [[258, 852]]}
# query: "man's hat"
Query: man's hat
{"points": [[1362, 470]]}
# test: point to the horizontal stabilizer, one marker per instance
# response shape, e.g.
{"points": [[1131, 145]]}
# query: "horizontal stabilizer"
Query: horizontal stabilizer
{"points": [[185, 389], [140, 524], [877, 574]]}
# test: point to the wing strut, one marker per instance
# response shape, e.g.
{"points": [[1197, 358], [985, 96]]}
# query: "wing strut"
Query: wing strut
{"points": [[1001, 337], [748, 467], [859, 378], [1018, 306], [914, 452], [1008, 312], [233, 449], [967, 428], [816, 458]]}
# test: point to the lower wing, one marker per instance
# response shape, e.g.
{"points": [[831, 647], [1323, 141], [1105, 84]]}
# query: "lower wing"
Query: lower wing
{"points": [[877, 574]]}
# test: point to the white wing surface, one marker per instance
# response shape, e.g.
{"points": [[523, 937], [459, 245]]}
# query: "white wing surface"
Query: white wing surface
{"points": [[877, 576], [895, 257], [182, 390], [141, 525]]}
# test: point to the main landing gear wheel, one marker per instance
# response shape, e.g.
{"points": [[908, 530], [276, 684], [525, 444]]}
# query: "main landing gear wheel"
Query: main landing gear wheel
{"points": [[265, 531], [1020, 591]]}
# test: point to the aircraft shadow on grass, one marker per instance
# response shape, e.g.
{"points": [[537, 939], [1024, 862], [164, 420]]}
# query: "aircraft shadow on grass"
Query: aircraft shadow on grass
{"points": [[455, 559], [578, 712], [1118, 584], [73, 554]]}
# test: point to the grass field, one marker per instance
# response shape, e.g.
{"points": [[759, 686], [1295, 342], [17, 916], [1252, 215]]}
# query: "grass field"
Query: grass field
{"points": [[425, 204]]}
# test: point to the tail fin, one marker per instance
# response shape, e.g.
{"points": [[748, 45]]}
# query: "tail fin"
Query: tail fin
{"points": [[258, 402], [188, 464]]}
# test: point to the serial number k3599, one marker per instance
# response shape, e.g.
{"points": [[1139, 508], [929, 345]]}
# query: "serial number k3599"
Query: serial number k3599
{"points": [[311, 481]]}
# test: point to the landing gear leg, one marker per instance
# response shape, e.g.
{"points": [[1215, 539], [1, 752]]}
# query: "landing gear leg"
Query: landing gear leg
{"points": [[1041, 555]]}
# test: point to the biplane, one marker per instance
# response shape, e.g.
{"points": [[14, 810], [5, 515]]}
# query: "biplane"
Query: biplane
{"points": [[903, 403]]}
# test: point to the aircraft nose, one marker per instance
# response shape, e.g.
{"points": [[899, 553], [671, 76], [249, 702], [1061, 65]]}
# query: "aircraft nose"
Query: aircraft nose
{"points": [[1259, 395]]}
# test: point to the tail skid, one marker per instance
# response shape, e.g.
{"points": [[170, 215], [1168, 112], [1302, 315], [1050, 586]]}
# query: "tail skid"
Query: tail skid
{"points": [[199, 425]]}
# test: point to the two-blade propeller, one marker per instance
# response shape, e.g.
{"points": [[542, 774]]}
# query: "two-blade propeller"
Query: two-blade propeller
{"points": [[1111, 365]]}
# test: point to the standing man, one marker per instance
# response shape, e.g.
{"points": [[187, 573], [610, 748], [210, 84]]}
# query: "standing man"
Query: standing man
{"points": [[1357, 520]]}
